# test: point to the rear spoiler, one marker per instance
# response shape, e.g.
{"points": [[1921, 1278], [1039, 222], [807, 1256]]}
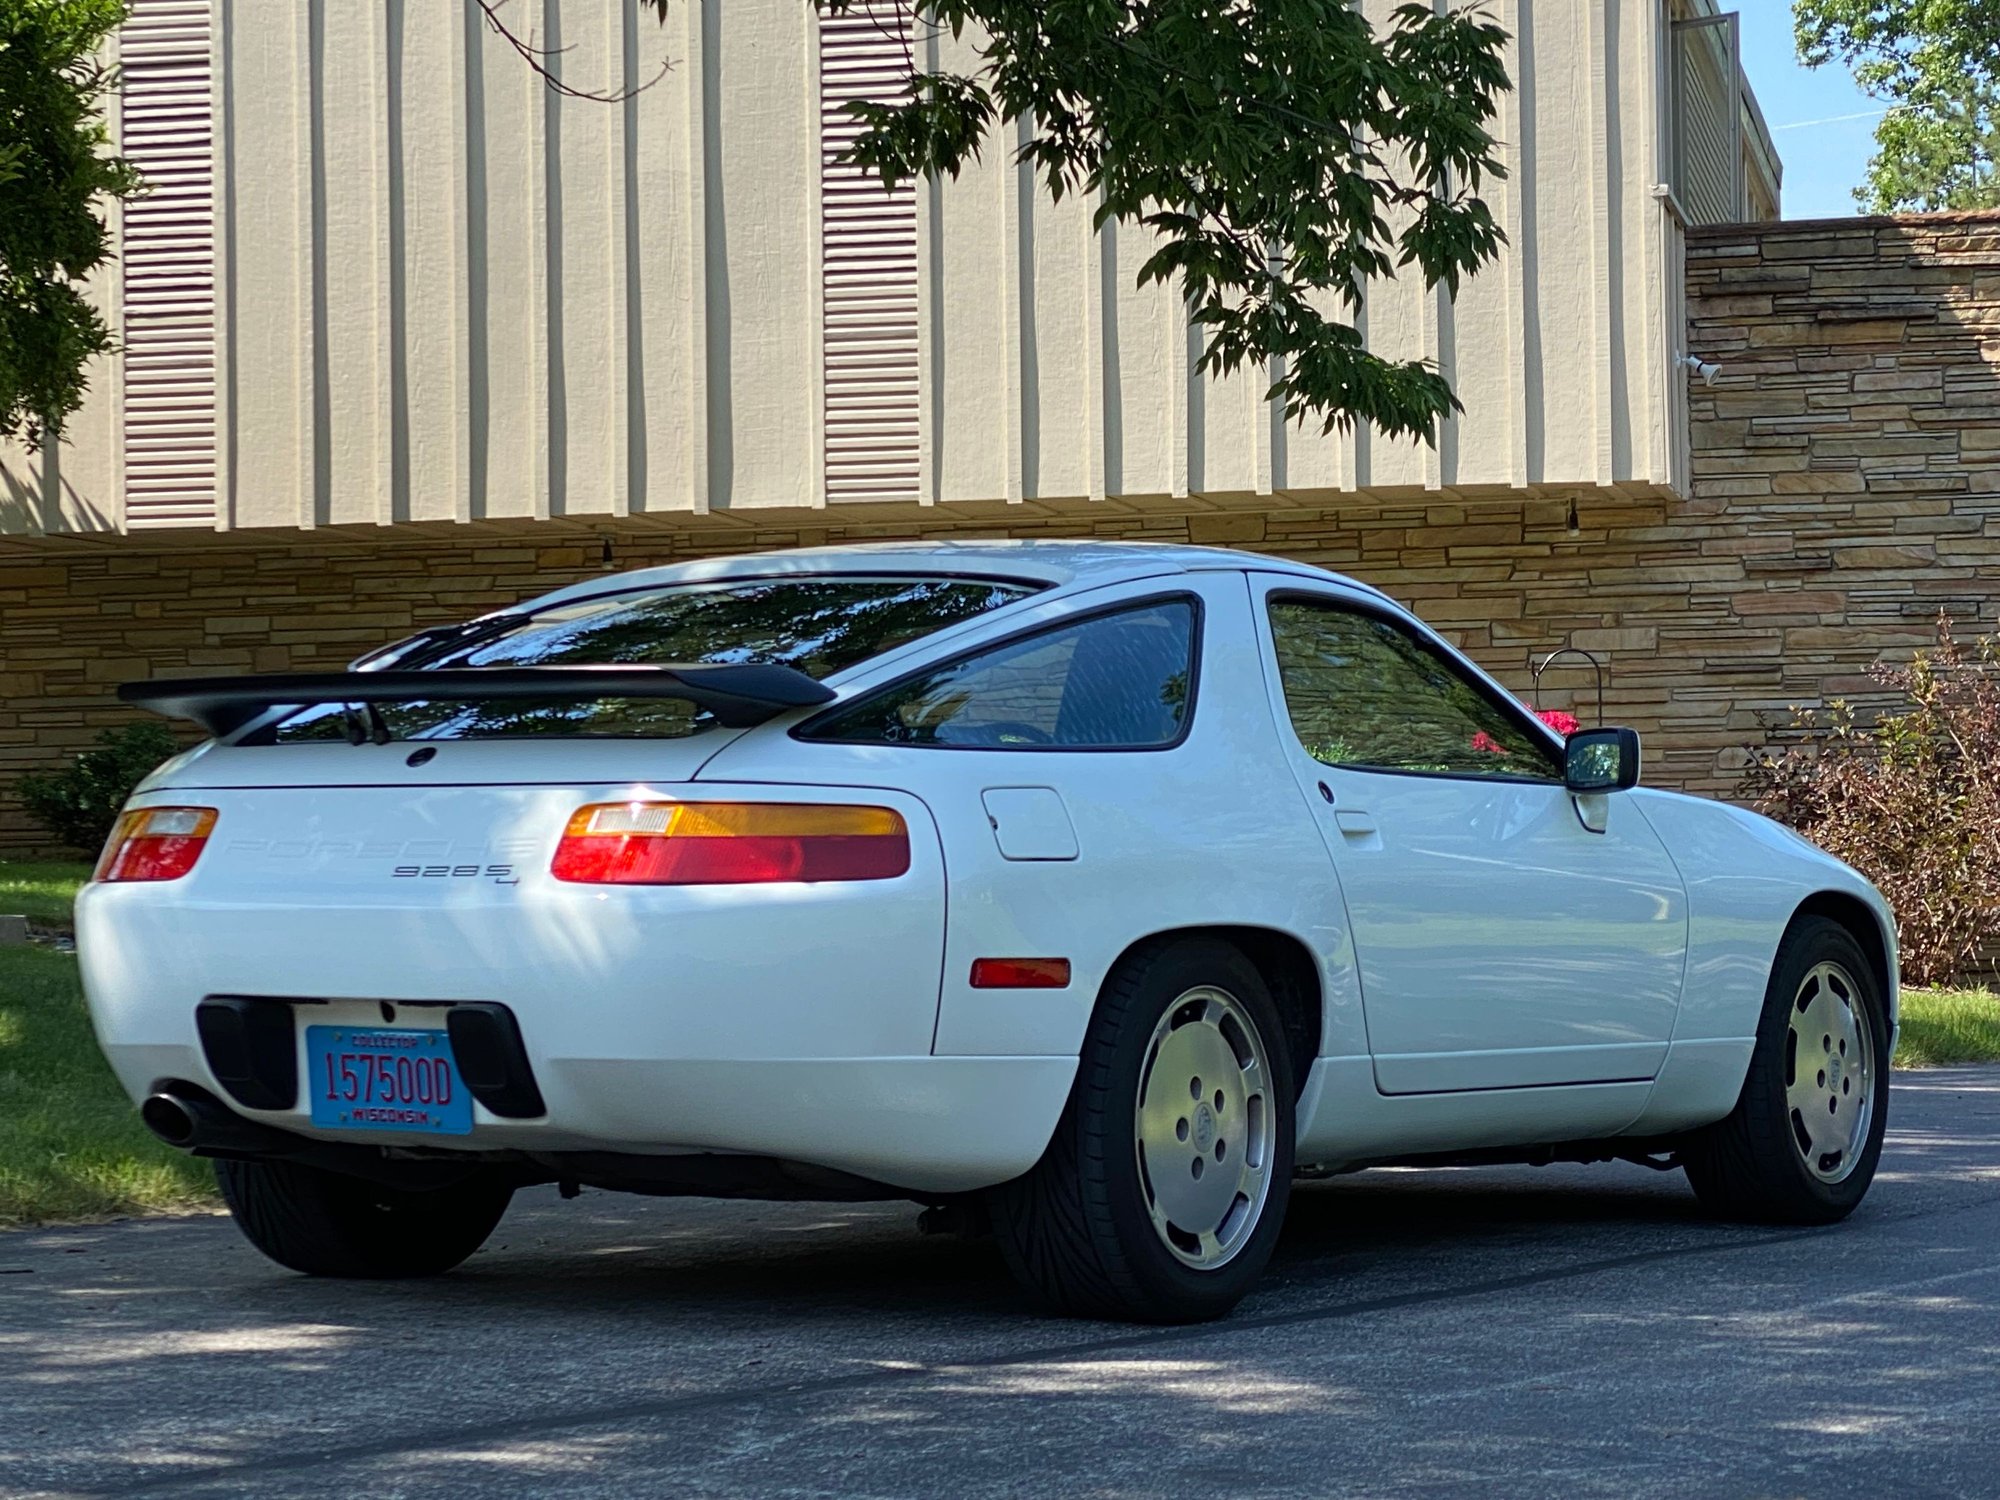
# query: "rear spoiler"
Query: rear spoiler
{"points": [[739, 695]]}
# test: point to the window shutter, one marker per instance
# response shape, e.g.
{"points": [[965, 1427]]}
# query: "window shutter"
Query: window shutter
{"points": [[1707, 103], [168, 257], [868, 241]]}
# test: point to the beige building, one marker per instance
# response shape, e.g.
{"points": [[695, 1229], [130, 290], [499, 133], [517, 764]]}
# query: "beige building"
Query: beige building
{"points": [[396, 304], [386, 276]]}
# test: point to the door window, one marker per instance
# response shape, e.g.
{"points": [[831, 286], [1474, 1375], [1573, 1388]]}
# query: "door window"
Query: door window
{"points": [[1116, 681], [1365, 693]]}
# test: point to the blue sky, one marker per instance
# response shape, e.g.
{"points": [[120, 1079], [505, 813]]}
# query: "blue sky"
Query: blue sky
{"points": [[1825, 153]]}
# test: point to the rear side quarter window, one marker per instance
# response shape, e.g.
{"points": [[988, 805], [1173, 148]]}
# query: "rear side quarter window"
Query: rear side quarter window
{"points": [[1122, 679]]}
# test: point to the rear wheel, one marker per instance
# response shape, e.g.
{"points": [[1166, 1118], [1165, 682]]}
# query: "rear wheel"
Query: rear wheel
{"points": [[1803, 1141], [328, 1224], [1162, 1193]]}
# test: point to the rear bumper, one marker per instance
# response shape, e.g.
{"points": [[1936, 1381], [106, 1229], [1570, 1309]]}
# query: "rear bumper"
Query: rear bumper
{"points": [[925, 1124], [649, 1029]]}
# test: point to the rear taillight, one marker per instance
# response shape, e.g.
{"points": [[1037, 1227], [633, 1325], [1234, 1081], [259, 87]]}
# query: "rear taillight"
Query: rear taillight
{"points": [[730, 843], [155, 843]]}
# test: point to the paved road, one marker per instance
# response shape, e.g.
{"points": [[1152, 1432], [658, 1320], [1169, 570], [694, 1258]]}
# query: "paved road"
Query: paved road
{"points": [[1569, 1331]]}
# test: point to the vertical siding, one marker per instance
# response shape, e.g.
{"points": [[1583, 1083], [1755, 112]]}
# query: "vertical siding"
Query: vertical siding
{"points": [[969, 355], [868, 277], [429, 241], [1556, 349], [168, 254], [764, 152], [586, 265], [448, 293], [351, 261], [665, 242], [270, 269], [1061, 276]]}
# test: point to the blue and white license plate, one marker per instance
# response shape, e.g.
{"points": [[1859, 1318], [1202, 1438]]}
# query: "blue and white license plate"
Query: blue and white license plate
{"points": [[386, 1078]]}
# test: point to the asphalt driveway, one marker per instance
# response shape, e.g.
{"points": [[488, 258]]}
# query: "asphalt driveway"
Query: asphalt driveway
{"points": [[1567, 1331]]}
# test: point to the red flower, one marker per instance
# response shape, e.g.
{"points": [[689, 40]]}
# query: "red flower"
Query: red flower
{"points": [[1562, 723]]}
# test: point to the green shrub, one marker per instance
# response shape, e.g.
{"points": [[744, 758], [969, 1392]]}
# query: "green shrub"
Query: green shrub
{"points": [[79, 805], [1912, 800]]}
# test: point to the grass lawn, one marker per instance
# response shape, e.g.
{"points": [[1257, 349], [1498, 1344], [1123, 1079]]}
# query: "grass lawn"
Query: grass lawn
{"points": [[1941, 1027], [71, 1146], [40, 891]]}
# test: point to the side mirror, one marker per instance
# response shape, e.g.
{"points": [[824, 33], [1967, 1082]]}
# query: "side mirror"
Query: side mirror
{"points": [[1601, 760]]}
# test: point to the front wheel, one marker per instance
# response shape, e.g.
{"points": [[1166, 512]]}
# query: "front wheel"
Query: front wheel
{"points": [[1802, 1143], [1162, 1193], [329, 1224]]}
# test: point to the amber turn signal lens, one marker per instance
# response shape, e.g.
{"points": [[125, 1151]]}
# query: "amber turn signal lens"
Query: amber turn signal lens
{"points": [[730, 843], [155, 843]]}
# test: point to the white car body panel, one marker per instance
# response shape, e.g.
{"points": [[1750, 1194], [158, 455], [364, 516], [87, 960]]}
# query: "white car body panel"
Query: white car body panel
{"points": [[1523, 979]]}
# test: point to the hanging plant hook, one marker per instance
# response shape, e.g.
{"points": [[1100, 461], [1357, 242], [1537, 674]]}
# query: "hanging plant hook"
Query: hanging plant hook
{"points": [[1595, 665]]}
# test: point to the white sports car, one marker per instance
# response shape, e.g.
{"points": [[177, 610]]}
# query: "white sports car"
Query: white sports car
{"points": [[1089, 891]]}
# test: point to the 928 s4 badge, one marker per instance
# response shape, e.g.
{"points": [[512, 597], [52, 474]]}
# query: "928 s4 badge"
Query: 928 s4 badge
{"points": [[498, 874]]}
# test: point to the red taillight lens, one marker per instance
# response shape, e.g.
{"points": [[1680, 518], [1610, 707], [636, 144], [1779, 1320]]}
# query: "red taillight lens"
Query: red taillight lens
{"points": [[730, 843], [155, 843]]}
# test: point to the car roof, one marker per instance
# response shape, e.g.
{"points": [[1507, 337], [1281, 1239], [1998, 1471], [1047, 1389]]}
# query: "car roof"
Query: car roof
{"points": [[1055, 564]]}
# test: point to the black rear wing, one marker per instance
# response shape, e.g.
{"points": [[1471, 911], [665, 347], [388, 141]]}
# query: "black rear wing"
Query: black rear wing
{"points": [[739, 695]]}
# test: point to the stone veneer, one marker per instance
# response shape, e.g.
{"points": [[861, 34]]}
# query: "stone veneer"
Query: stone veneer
{"points": [[1845, 492]]}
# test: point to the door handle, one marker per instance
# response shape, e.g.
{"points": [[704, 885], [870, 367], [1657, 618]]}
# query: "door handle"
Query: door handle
{"points": [[1355, 824]]}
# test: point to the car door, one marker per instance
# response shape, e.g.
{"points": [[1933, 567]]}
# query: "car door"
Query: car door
{"points": [[1507, 933]]}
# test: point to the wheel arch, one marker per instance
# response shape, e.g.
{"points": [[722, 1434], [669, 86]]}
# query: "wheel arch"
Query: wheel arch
{"points": [[1285, 963], [1865, 924]]}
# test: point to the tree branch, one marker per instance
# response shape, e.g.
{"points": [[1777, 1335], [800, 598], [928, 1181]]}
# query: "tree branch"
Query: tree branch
{"points": [[538, 59]]}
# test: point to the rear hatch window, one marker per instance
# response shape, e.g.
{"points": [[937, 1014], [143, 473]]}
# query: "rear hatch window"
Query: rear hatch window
{"points": [[819, 625]]}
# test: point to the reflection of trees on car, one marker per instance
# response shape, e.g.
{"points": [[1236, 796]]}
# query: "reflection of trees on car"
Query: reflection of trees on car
{"points": [[819, 626]]}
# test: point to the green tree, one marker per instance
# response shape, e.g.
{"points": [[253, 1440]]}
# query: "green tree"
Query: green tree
{"points": [[55, 175], [1285, 153], [1935, 64]]}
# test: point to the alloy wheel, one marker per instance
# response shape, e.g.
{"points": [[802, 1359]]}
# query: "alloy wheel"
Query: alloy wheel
{"points": [[1829, 1072], [1203, 1127]]}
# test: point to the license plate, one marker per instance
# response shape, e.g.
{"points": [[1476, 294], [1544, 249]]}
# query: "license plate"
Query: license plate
{"points": [[386, 1078]]}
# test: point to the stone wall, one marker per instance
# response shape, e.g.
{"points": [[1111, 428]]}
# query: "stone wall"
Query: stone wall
{"points": [[1846, 491], [1848, 458]]}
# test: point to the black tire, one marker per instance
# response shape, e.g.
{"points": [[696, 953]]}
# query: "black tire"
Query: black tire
{"points": [[329, 1224], [1752, 1166], [1077, 1230]]}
